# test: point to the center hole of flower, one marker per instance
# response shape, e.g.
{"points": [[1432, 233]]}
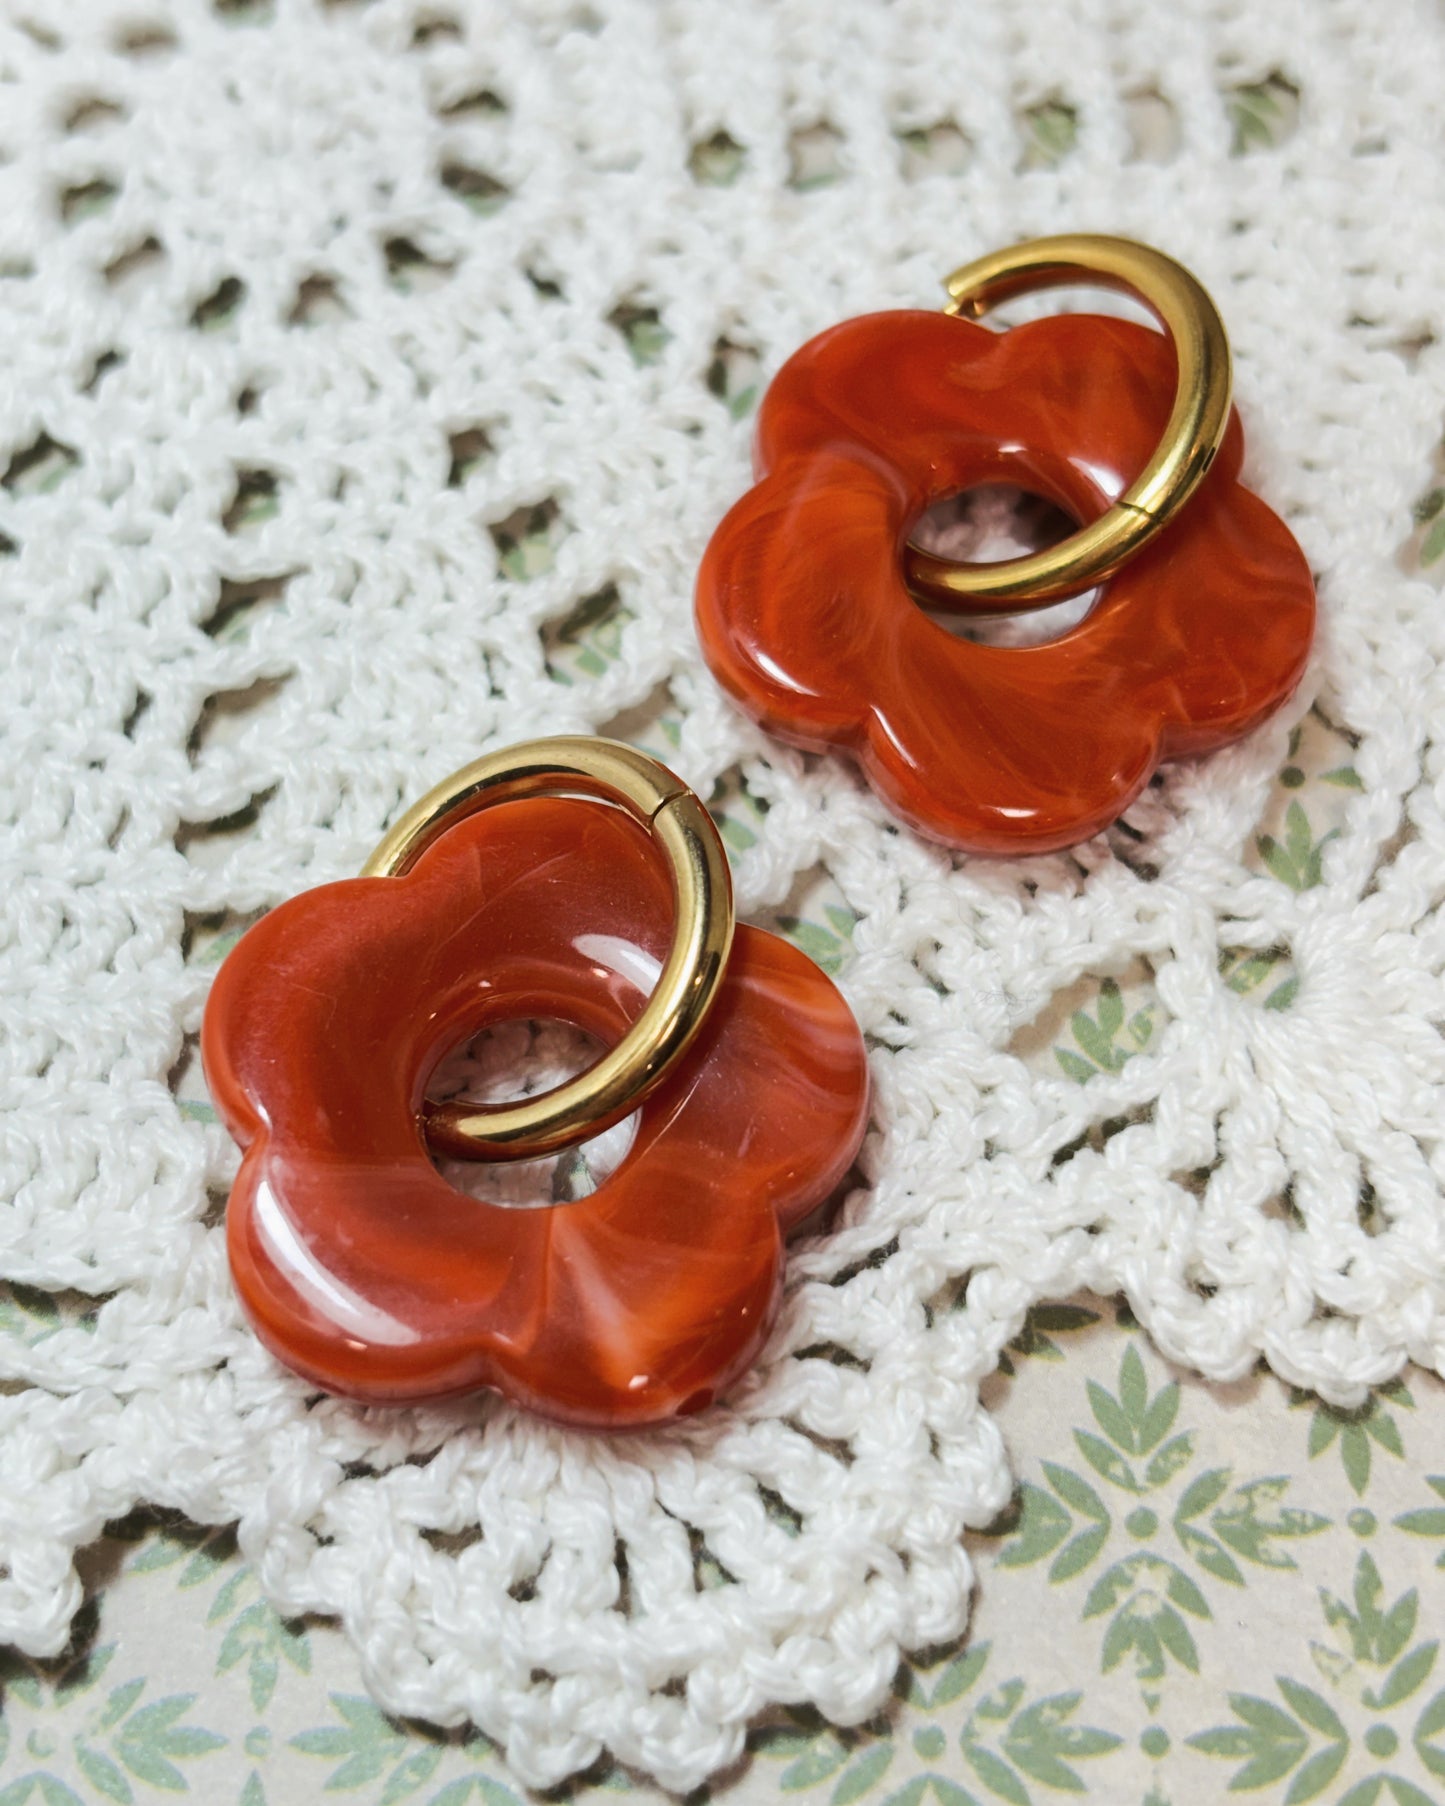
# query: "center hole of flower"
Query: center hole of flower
{"points": [[512, 1060], [984, 525]]}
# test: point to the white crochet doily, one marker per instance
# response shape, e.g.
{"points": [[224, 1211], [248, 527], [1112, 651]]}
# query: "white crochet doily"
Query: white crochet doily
{"points": [[373, 375]]}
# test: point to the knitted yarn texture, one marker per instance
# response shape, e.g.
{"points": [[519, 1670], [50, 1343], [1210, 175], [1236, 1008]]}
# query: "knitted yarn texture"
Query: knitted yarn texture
{"points": [[373, 376]]}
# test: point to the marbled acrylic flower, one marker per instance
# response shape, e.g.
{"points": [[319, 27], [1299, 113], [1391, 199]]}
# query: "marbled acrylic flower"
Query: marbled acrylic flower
{"points": [[806, 622], [363, 1269]]}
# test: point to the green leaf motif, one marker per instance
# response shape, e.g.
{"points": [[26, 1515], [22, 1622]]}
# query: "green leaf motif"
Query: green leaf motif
{"points": [[367, 1741], [1228, 1740], [1078, 1553], [1432, 1719], [1312, 1709], [17, 1677], [1076, 1492], [1358, 1431], [1201, 1493], [1406, 1793], [1324, 1427], [1375, 1636], [1133, 1385], [1096, 1042], [959, 1676], [1097, 1036], [148, 1742], [1270, 1739], [1080, 1071], [1407, 1676], [1254, 1520], [1053, 128], [1002, 1702], [1158, 1417], [260, 1638], [815, 1765], [1249, 973], [1111, 1020], [1154, 1632], [1383, 1428], [1397, 1627], [1106, 1461], [53, 1791], [862, 1775], [210, 1561], [455, 1793], [1040, 1739], [102, 1773], [1257, 114], [1429, 1521], [1173, 1458], [1431, 1725], [1144, 1622], [160, 1552], [407, 1776], [995, 1773], [1182, 1590], [1315, 1775], [912, 1792], [1355, 1452], [1299, 861], [1112, 1418], [1211, 1556], [120, 1701], [494, 1794]]}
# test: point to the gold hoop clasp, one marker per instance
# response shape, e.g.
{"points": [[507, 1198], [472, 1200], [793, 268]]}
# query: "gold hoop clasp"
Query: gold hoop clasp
{"points": [[1192, 436], [703, 900]]}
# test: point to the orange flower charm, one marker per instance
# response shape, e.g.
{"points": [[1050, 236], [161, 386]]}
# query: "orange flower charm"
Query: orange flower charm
{"points": [[364, 1270], [805, 620]]}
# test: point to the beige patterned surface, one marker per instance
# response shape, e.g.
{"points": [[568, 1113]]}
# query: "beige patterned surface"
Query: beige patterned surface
{"points": [[375, 371], [1197, 1588]]}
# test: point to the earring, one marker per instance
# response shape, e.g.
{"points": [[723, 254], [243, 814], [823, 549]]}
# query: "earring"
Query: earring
{"points": [[514, 891], [807, 599]]}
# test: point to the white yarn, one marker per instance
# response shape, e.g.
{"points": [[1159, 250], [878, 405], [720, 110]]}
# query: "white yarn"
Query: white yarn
{"points": [[472, 1553]]}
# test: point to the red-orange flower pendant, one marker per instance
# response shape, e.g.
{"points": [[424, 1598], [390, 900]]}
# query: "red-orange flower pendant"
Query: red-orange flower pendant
{"points": [[364, 1270], [805, 620]]}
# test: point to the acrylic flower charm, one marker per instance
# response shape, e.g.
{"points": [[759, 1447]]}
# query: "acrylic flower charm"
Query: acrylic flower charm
{"points": [[362, 1268], [806, 622]]}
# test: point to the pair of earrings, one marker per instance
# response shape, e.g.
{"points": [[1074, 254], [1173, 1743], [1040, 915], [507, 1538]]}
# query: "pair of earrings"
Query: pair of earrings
{"points": [[507, 893]]}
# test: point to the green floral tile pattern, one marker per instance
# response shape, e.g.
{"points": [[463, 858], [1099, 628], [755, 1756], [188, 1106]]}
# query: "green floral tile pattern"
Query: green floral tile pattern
{"points": [[1196, 1592]]}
